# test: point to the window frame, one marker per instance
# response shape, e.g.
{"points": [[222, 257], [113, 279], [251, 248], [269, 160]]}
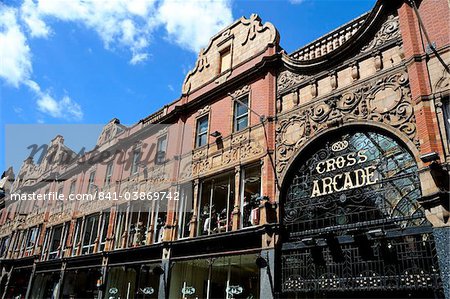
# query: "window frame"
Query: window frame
{"points": [[225, 53], [108, 173], [202, 133], [136, 160], [159, 157], [236, 117]]}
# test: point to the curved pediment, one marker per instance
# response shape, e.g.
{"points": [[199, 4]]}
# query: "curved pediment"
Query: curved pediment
{"points": [[361, 35], [243, 40]]}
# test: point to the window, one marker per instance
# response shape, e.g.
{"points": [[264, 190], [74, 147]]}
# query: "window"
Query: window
{"points": [[251, 191], [161, 149], [32, 237], [90, 234], [91, 186], [77, 238], [55, 234], [217, 203], [4, 242], [185, 211], [225, 60], [72, 187], [136, 161], [109, 170], [202, 131], [104, 229], [241, 114]]}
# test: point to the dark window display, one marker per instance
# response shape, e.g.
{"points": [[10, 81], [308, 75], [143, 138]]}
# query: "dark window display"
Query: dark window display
{"points": [[45, 285], [81, 283], [221, 277], [138, 281]]}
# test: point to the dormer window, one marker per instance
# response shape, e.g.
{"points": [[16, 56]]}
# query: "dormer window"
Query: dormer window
{"points": [[225, 59]]}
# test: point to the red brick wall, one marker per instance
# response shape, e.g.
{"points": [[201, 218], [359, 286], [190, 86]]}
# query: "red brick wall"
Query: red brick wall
{"points": [[434, 14]]}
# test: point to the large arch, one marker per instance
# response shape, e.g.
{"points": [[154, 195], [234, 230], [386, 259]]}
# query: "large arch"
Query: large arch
{"points": [[353, 223]]}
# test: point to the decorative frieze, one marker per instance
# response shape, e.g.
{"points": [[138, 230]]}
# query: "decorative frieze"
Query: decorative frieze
{"points": [[288, 79], [386, 100], [389, 30]]}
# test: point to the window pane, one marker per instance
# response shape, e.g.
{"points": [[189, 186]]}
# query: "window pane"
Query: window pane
{"points": [[241, 114], [202, 129], [241, 123]]}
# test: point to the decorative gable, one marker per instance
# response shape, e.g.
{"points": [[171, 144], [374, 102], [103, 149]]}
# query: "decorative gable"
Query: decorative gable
{"points": [[234, 45]]}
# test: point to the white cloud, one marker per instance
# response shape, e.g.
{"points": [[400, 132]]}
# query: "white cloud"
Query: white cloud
{"points": [[14, 51], [16, 67], [65, 108], [296, 1], [119, 23], [30, 15], [191, 23], [130, 23]]}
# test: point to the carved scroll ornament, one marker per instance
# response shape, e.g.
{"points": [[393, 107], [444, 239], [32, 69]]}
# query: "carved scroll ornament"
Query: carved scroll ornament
{"points": [[387, 100]]}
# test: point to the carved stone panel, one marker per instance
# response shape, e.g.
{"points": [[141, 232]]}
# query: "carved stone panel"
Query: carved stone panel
{"points": [[386, 100]]}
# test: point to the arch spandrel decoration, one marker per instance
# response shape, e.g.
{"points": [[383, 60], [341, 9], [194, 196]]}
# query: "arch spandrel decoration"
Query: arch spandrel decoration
{"points": [[353, 222], [386, 101]]}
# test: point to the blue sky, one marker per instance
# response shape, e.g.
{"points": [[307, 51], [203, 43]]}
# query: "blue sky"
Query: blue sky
{"points": [[85, 62]]}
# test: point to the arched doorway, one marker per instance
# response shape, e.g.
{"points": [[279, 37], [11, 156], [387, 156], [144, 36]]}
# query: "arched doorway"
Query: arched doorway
{"points": [[354, 227]]}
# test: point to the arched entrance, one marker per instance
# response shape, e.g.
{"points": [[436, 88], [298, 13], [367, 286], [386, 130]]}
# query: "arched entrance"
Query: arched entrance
{"points": [[354, 227]]}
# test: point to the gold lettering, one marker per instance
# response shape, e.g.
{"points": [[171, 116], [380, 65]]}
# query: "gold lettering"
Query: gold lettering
{"points": [[360, 173], [340, 162], [351, 159], [319, 167], [370, 171], [338, 176], [327, 185], [362, 157], [330, 165], [348, 184], [316, 189]]}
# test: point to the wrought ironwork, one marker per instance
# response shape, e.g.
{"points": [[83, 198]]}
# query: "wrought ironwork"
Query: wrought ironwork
{"points": [[354, 223]]}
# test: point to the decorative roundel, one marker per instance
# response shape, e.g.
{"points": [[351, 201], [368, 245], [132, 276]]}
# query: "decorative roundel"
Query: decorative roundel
{"points": [[188, 290], [235, 290], [113, 291], [339, 146]]}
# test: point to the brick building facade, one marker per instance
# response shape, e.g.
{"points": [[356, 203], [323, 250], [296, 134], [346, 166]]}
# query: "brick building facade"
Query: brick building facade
{"points": [[319, 173]]}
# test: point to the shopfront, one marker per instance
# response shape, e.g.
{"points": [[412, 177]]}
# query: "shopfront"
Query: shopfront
{"points": [[354, 225], [234, 276], [134, 281]]}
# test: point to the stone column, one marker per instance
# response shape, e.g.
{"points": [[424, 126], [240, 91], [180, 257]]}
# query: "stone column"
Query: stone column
{"points": [[194, 219]]}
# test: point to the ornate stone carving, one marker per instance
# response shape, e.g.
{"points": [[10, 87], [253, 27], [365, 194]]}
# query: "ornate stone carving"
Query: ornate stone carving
{"points": [[254, 27], [243, 90], [204, 110], [388, 31], [288, 79], [387, 100], [444, 82], [241, 148]]}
